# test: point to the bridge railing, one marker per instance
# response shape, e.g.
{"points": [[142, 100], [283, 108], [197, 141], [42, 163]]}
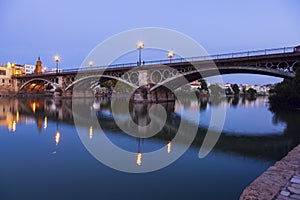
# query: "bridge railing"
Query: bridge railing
{"points": [[225, 56], [190, 59]]}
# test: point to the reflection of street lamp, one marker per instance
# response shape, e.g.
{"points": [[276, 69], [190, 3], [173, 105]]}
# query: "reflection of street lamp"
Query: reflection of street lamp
{"points": [[57, 133], [139, 154], [170, 55], [91, 63], [140, 45], [139, 159], [91, 133], [169, 146], [45, 122], [56, 58], [57, 137]]}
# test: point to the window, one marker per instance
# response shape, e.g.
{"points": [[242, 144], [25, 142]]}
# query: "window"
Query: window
{"points": [[3, 72]]}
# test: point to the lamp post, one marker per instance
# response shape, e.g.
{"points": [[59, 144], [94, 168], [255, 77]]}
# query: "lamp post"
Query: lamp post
{"points": [[170, 55], [91, 63], [56, 58], [140, 45]]}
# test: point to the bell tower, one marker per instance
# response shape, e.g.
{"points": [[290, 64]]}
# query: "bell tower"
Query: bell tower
{"points": [[38, 66]]}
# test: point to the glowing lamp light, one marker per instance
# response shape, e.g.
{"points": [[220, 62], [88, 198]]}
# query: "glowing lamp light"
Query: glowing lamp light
{"points": [[33, 106], [91, 132], [45, 122], [169, 146], [56, 58], [57, 138], [17, 116], [14, 126], [139, 159], [140, 45], [170, 54]]}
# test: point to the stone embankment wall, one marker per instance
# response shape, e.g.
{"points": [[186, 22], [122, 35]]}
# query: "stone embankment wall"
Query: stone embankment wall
{"points": [[281, 181]]}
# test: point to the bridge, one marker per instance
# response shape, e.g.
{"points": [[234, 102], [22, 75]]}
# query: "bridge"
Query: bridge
{"points": [[150, 78]]}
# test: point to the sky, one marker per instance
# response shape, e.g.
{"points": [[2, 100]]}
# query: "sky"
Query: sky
{"points": [[71, 29]]}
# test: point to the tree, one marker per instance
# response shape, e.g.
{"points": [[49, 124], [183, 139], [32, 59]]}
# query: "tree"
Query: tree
{"points": [[287, 94], [251, 92], [203, 84], [109, 84], [216, 90], [236, 89]]}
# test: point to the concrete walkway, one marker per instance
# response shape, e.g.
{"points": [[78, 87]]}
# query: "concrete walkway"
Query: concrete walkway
{"points": [[279, 182]]}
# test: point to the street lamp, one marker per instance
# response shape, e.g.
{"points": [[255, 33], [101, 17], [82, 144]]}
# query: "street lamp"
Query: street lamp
{"points": [[56, 58], [170, 55], [140, 46], [91, 63]]}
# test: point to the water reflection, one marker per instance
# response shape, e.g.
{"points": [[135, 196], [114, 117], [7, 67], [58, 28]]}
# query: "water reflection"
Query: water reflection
{"points": [[91, 132], [169, 146], [45, 122], [139, 154], [243, 118], [57, 137], [290, 118]]}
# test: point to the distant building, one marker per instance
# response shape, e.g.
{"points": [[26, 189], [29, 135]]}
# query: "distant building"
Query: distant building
{"points": [[5, 76], [6, 73], [297, 48], [29, 69], [17, 70], [195, 84], [38, 67]]}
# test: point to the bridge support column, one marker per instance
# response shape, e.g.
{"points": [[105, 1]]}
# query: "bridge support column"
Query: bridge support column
{"points": [[143, 94], [152, 96], [171, 95], [15, 85], [162, 95], [140, 94], [60, 82]]}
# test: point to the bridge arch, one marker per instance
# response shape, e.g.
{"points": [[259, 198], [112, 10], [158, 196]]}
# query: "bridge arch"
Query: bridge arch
{"points": [[174, 82], [295, 65], [98, 77], [39, 82]]}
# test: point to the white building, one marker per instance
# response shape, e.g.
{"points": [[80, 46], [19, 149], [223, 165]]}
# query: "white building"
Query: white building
{"points": [[29, 69], [53, 70]]}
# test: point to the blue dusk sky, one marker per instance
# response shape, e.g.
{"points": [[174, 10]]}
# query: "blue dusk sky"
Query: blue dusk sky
{"points": [[71, 29]]}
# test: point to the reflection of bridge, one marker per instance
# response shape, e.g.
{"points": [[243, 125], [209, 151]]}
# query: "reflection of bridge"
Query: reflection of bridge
{"points": [[274, 62], [265, 146], [57, 109], [271, 146]]}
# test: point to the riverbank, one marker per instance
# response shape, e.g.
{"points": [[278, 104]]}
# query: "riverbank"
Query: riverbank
{"points": [[281, 181]]}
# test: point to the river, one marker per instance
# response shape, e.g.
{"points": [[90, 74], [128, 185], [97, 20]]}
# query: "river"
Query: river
{"points": [[44, 157]]}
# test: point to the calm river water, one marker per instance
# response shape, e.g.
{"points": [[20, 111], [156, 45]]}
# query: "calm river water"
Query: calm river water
{"points": [[42, 156]]}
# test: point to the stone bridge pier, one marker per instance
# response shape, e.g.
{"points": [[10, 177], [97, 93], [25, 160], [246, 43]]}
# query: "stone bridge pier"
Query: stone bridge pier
{"points": [[144, 94]]}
